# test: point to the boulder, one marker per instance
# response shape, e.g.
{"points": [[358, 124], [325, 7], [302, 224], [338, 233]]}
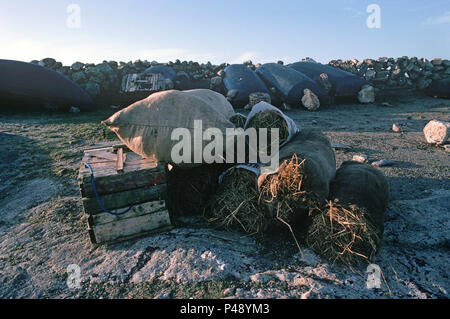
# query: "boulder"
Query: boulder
{"points": [[93, 89], [310, 100], [437, 132], [367, 94]]}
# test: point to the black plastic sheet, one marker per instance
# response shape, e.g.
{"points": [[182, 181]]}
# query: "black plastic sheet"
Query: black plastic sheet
{"points": [[439, 88], [32, 86], [344, 84], [245, 81], [290, 83]]}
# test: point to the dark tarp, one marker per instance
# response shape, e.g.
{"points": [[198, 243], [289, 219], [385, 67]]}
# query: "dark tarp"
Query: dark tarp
{"points": [[440, 88], [245, 81], [290, 83], [166, 71], [28, 85], [344, 84]]}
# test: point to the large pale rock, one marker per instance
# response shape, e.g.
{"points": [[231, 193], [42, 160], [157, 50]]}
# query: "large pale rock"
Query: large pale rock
{"points": [[437, 132], [310, 100], [367, 94]]}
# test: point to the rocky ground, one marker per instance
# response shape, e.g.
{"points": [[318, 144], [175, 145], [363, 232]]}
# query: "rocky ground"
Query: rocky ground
{"points": [[43, 230]]}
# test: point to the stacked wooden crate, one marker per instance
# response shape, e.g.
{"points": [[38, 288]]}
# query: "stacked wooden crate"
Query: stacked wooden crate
{"points": [[122, 180]]}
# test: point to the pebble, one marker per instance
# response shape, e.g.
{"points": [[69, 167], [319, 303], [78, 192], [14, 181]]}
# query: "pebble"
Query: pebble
{"points": [[361, 158], [396, 128], [383, 163], [228, 292]]}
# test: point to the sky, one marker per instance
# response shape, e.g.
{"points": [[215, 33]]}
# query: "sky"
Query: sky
{"points": [[229, 31]]}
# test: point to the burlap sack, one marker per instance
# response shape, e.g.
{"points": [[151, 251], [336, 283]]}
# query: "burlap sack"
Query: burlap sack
{"points": [[364, 186], [301, 183], [146, 126], [320, 162]]}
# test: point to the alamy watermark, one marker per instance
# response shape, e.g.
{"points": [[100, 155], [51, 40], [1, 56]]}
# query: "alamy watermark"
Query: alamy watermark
{"points": [[73, 20], [74, 276], [373, 272], [234, 146], [374, 19]]}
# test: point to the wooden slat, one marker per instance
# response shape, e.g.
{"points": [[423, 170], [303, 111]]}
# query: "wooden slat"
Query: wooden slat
{"points": [[132, 227], [106, 168], [137, 210], [125, 199], [120, 183], [119, 162]]}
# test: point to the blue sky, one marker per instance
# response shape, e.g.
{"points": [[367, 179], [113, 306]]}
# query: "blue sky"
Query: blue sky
{"points": [[222, 31]]}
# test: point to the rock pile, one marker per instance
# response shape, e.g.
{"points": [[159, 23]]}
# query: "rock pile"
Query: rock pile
{"points": [[404, 72], [105, 78]]}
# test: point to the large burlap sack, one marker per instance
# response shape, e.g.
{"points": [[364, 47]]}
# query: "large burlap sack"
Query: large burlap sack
{"points": [[320, 162], [348, 228], [364, 186], [146, 126], [301, 182]]}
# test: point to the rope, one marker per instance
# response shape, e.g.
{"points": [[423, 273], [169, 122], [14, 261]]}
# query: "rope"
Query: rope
{"points": [[98, 197]]}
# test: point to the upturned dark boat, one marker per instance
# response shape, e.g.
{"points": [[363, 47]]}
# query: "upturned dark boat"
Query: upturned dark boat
{"points": [[29, 86], [289, 83], [245, 81], [439, 88], [344, 84]]}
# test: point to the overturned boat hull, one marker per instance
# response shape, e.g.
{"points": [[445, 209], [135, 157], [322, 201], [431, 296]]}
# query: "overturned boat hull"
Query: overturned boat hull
{"points": [[31, 86], [289, 83], [344, 84], [245, 81]]}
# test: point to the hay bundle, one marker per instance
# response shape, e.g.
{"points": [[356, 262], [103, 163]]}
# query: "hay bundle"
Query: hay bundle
{"points": [[235, 206], [269, 119], [349, 228], [189, 189], [301, 182], [238, 120]]}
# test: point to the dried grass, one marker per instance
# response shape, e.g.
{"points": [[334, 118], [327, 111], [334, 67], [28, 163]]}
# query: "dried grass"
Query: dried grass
{"points": [[285, 196], [238, 120], [270, 119], [343, 234], [235, 205]]}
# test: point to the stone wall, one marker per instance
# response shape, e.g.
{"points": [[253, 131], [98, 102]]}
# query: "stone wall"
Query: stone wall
{"points": [[404, 72], [104, 79]]}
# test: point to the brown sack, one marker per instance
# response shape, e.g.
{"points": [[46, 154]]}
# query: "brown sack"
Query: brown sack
{"points": [[307, 166], [146, 126], [364, 186], [349, 228]]}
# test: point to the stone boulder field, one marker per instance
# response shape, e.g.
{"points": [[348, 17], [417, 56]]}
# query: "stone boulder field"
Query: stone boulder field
{"points": [[43, 228]]}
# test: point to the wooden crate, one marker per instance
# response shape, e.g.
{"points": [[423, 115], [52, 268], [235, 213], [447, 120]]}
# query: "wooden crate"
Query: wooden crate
{"points": [[123, 179]]}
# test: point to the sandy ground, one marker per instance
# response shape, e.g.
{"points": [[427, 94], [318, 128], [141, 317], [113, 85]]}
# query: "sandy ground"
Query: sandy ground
{"points": [[43, 230]]}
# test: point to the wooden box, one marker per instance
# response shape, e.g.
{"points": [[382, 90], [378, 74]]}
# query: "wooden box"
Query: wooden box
{"points": [[123, 179]]}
